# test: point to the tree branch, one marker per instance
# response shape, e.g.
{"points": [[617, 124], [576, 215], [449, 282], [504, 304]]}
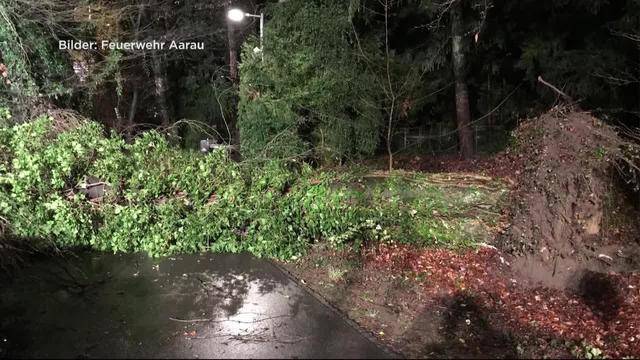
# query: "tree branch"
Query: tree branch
{"points": [[556, 90]]}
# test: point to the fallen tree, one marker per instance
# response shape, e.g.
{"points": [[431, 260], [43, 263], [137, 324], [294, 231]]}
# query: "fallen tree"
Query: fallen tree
{"points": [[64, 183]]}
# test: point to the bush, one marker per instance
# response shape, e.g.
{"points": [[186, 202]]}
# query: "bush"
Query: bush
{"points": [[160, 199], [310, 94], [163, 200]]}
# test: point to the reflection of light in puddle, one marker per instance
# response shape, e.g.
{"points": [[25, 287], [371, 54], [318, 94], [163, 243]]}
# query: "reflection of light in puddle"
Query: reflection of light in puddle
{"points": [[260, 316], [236, 312]]}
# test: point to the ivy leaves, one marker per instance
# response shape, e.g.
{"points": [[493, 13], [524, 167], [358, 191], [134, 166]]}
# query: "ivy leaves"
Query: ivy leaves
{"points": [[160, 199], [164, 200]]}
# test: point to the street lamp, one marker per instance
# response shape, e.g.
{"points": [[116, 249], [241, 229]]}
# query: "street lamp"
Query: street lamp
{"points": [[238, 15]]}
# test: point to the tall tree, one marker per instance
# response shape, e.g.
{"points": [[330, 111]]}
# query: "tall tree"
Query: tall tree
{"points": [[458, 57], [161, 86], [311, 95], [396, 78], [389, 90]]}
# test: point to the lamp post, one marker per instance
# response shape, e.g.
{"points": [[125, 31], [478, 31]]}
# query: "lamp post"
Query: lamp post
{"points": [[238, 15]]}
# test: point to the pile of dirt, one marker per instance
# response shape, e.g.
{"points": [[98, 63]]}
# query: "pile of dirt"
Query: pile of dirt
{"points": [[567, 215]]}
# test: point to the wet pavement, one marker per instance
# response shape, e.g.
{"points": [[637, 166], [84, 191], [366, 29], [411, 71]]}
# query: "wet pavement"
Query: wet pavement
{"points": [[122, 306]]}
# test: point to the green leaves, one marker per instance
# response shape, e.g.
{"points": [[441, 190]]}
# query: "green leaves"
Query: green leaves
{"points": [[159, 199], [163, 200], [34, 68], [312, 94]]}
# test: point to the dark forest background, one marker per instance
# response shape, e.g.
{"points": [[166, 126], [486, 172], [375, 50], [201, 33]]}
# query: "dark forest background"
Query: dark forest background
{"points": [[337, 80]]}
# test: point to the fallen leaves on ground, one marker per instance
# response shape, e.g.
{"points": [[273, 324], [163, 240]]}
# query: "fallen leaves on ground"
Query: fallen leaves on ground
{"points": [[606, 318]]}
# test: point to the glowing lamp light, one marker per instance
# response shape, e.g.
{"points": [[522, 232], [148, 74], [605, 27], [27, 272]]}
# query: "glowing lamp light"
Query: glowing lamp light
{"points": [[236, 15]]}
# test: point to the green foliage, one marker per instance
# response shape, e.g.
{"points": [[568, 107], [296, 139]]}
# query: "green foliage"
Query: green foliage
{"points": [[415, 209], [163, 200], [587, 351], [109, 71], [5, 116], [311, 92], [210, 103], [34, 66], [15, 59], [600, 153]]}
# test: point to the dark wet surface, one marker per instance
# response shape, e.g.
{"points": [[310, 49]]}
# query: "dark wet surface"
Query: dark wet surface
{"points": [[230, 306]]}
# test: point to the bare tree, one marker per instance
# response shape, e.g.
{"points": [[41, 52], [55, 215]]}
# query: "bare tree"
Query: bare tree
{"points": [[396, 86], [390, 91]]}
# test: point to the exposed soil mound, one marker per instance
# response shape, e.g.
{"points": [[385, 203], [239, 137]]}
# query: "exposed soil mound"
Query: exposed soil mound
{"points": [[567, 215]]}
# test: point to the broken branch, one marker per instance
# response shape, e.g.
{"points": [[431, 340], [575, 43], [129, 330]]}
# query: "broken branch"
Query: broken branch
{"points": [[556, 90]]}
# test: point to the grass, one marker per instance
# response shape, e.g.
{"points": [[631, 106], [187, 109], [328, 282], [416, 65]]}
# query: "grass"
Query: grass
{"points": [[444, 210], [336, 274]]}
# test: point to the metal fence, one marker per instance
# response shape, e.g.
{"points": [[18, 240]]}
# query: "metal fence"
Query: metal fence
{"points": [[442, 138]]}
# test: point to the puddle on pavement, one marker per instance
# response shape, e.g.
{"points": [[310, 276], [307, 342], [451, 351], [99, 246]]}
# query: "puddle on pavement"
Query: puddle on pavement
{"points": [[121, 306]]}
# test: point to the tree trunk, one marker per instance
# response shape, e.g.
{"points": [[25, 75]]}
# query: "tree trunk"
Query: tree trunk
{"points": [[463, 113], [132, 111], [161, 87], [391, 91], [133, 107], [390, 137], [233, 52], [233, 76]]}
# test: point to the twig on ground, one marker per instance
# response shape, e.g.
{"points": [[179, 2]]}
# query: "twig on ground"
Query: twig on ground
{"points": [[227, 320]]}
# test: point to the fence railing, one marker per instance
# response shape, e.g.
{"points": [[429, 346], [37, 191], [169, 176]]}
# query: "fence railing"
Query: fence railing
{"points": [[441, 138]]}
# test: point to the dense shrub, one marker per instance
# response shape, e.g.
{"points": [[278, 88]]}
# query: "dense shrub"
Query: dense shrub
{"points": [[163, 200], [33, 69], [310, 94], [160, 199]]}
